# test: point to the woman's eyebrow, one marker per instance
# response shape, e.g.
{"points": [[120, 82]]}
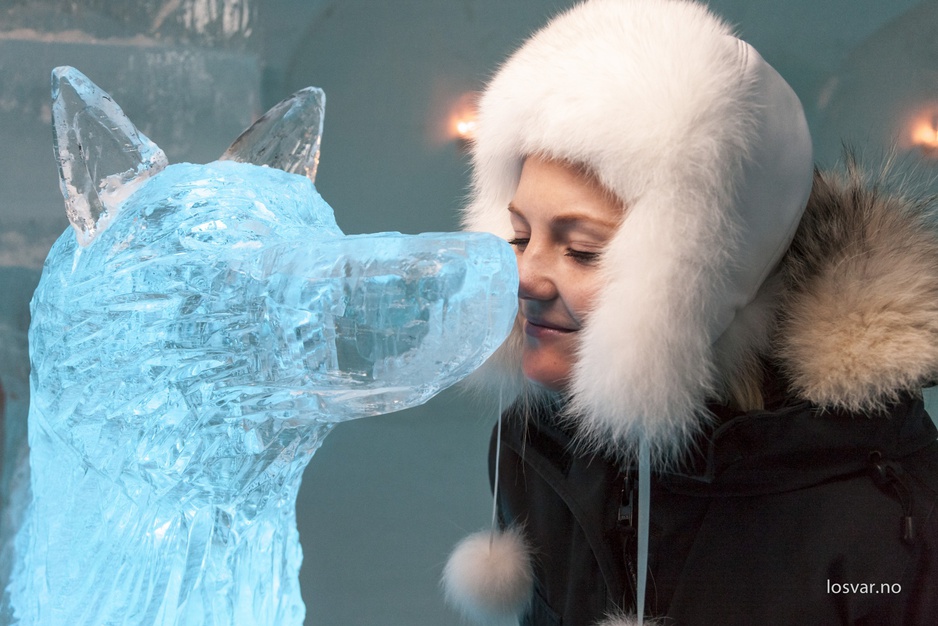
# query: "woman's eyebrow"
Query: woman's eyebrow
{"points": [[575, 219], [571, 219]]}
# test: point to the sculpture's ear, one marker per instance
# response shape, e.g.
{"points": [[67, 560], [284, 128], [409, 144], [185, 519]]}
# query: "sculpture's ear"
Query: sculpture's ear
{"points": [[102, 157], [286, 137]]}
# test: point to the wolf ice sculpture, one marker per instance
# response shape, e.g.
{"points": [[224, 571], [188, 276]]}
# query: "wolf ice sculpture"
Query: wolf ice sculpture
{"points": [[192, 343]]}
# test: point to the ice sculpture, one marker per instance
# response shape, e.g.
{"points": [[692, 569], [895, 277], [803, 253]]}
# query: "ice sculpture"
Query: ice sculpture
{"points": [[192, 343]]}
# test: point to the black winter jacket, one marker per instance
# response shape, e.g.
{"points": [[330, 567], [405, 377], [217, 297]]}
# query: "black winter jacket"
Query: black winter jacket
{"points": [[789, 516]]}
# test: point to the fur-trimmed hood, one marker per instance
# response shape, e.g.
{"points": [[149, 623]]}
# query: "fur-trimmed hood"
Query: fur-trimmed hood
{"points": [[857, 314], [707, 150]]}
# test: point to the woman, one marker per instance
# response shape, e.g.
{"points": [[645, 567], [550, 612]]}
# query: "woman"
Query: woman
{"points": [[691, 294]]}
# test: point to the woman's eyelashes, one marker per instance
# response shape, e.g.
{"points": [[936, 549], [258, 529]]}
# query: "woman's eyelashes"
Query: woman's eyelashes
{"points": [[519, 242], [584, 257]]}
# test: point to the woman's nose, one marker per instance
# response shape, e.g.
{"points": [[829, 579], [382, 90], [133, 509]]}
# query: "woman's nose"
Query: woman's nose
{"points": [[535, 275]]}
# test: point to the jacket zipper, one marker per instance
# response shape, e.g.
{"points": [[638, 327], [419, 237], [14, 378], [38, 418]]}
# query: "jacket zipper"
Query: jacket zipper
{"points": [[891, 475]]}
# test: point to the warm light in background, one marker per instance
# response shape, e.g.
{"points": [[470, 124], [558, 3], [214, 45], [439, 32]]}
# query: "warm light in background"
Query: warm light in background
{"points": [[923, 132], [466, 128], [463, 121]]}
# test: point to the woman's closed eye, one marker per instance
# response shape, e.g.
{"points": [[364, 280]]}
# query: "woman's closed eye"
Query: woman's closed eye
{"points": [[519, 242], [586, 257]]}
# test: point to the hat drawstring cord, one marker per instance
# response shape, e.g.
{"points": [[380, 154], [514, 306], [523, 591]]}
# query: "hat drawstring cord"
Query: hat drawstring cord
{"points": [[498, 456], [644, 502]]}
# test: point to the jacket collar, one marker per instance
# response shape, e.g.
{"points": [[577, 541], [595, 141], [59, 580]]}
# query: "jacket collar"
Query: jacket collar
{"points": [[800, 445]]}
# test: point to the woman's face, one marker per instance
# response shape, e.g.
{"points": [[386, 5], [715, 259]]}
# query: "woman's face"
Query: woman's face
{"points": [[562, 220]]}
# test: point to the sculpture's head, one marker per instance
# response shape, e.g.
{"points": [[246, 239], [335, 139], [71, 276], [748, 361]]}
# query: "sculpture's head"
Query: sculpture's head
{"points": [[202, 324]]}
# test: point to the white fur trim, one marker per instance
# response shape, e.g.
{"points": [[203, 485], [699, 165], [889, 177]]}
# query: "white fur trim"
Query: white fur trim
{"points": [[627, 620], [490, 578], [621, 620], [708, 150]]}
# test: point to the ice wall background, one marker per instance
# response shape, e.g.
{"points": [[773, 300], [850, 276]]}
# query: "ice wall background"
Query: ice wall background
{"points": [[385, 499]]}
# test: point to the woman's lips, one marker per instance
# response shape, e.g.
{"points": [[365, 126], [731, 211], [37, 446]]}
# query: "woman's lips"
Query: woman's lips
{"points": [[543, 330]]}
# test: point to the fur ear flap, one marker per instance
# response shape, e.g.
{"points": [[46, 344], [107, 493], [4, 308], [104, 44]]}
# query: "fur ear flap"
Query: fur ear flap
{"points": [[489, 577]]}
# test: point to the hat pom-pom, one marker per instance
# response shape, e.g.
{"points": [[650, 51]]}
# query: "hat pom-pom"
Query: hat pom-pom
{"points": [[489, 577]]}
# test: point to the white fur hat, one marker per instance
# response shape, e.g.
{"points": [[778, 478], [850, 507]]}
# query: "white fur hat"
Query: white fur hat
{"points": [[708, 150]]}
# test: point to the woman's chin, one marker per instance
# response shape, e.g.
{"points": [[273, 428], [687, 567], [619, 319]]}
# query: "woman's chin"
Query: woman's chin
{"points": [[546, 373]]}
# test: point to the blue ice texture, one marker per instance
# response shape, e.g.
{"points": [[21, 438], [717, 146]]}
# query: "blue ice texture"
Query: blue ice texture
{"points": [[195, 335]]}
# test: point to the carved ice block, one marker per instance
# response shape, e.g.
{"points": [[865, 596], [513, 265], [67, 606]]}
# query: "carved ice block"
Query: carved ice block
{"points": [[194, 338]]}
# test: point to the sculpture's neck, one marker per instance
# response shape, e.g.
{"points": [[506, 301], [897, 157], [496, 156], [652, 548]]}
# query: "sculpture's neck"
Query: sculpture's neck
{"points": [[185, 557]]}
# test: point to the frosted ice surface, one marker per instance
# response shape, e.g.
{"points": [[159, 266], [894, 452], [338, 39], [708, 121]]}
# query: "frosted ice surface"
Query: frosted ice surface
{"points": [[208, 23], [189, 360]]}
